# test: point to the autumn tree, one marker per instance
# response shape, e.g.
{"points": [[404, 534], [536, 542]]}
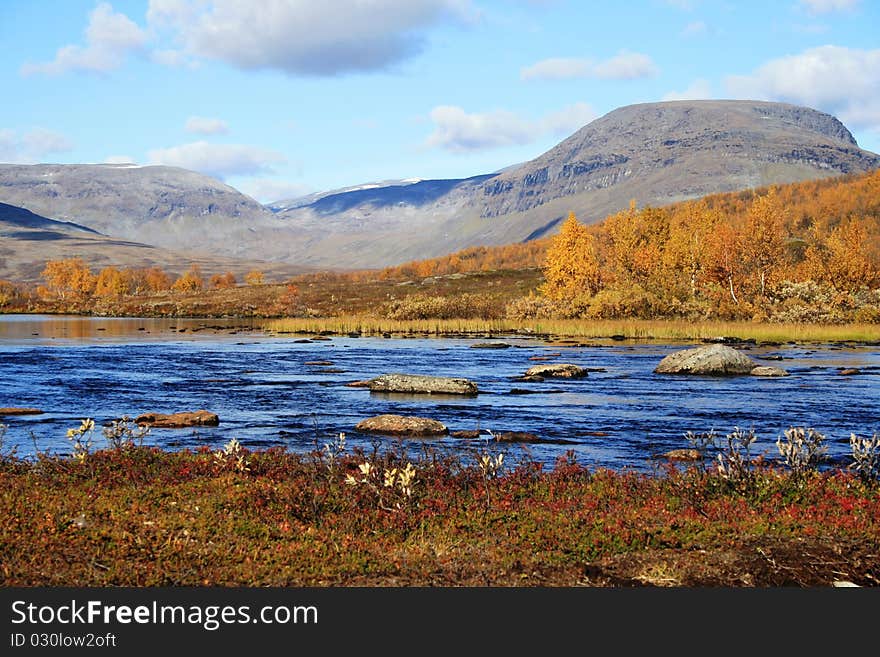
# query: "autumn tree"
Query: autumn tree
{"points": [[571, 268], [157, 280], [111, 282], [762, 240], [723, 258], [842, 260], [8, 292], [690, 230], [69, 278], [254, 277], [190, 281], [635, 241], [223, 281]]}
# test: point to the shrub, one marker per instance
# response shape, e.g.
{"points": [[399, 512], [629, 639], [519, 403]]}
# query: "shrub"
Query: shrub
{"points": [[530, 307], [465, 306], [802, 449]]}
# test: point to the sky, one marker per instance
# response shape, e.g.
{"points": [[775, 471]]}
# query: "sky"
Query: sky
{"points": [[281, 98]]}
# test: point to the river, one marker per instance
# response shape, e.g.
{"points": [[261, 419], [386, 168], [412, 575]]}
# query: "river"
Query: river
{"points": [[267, 393]]}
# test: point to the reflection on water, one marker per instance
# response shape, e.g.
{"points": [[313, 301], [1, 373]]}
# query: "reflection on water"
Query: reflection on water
{"points": [[268, 390], [50, 328]]}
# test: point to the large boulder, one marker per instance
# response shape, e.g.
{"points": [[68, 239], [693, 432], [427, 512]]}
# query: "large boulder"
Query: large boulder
{"points": [[402, 425], [418, 383], [178, 420], [557, 370], [714, 360]]}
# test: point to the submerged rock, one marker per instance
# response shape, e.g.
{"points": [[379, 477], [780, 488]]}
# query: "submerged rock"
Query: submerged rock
{"points": [[490, 345], [765, 370], [178, 420], [849, 371], [402, 425], [421, 384], [715, 360], [20, 411], [516, 437], [557, 370], [683, 455], [467, 434]]}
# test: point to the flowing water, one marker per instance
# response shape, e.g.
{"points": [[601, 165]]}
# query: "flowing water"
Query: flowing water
{"points": [[283, 390]]}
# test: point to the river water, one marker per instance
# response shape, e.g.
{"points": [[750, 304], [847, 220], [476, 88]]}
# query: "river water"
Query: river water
{"points": [[267, 393]]}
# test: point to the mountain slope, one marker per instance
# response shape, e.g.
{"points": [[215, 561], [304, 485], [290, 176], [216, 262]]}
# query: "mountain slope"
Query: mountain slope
{"points": [[655, 153], [28, 241], [163, 206]]}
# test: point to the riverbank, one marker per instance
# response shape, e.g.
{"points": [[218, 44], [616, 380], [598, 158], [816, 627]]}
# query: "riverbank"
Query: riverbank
{"points": [[145, 517], [555, 330]]}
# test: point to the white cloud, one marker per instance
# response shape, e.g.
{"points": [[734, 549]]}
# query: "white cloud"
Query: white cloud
{"points": [[267, 190], [699, 89], [626, 66], [109, 37], [694, 29], [173, 59], [839, 80], [303, 37], [32, 146], [816, 7], [119, 159], [557, 68], [568, 119], [623, 66], [218, 160], [202, 125], [457, 131]]}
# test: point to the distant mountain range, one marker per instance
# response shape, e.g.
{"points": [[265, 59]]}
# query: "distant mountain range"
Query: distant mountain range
{"points": [[654, 153]]}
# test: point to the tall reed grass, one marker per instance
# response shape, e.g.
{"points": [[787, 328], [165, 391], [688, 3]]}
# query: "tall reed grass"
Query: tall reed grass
{"points": [[574, 328]]}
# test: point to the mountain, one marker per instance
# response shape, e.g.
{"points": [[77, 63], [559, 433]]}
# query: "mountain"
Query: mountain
{"points": [[655, 153], [158, 205], [28, 240]]}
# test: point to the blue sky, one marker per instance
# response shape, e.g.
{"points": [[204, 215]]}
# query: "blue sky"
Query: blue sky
{"points": [[285, 97]]}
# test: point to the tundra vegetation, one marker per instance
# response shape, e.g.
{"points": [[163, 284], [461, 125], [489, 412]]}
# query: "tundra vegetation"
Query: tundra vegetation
{"points": [[126, 514]]}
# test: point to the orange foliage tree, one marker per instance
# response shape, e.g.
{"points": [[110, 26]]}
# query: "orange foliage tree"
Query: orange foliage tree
{"points": [[223, 281], [157, 280], [112, 282], [571, 269], [69, 278], [254, 277], [190, 280]]}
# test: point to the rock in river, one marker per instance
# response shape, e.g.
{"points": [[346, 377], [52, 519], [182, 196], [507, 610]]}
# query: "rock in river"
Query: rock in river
{"points": [[716, 360], [490, 345], [683, 455], [765, 370], [418, 383], [402, 425], [20, 411], [516, 437], [557, 370], [178, 420]]}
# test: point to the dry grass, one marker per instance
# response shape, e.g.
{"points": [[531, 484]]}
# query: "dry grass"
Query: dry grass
{"points": [[676, 330]]}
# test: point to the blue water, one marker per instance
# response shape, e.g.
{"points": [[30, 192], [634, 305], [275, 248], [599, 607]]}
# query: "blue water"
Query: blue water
{"points": [[265, 393]]}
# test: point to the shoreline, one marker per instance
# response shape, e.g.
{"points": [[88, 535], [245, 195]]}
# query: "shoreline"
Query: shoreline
{"points": [[554, 330]]}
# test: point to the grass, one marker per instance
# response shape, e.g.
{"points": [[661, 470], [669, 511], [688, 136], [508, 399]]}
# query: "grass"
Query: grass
{"points": [[676, 330], [136, 516]]}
